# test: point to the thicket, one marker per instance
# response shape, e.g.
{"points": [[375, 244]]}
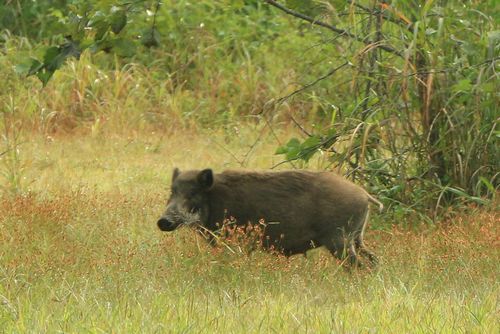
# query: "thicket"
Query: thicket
{"points": [[403, 95]]}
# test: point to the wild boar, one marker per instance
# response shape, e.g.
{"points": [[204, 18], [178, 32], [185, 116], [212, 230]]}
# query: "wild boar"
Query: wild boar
{"points": [[301, 209]]}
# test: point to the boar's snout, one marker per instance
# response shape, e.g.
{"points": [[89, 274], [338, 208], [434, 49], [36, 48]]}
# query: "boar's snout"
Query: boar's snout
{"points": [[166, 225]]}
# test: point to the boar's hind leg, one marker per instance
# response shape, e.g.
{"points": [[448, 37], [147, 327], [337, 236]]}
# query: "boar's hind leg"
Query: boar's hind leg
{"points": [[367, 253], [342, 248], [360, 246], [362, 250]]}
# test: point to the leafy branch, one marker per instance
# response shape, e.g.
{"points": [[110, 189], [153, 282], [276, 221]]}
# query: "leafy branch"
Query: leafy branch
{"points": [[94, 29], [341, 32]]}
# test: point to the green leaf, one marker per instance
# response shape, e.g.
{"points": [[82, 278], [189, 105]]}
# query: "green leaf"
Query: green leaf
{"points": [[488, 87], [373, 101], [24, 67], [118, 21], [462, 86], [292, 145], [86, 43], [44, 75], [57, 13], [53, 58], [123, 47], [150, 38], [309, 147], [51, 55], [334, 115], [330, 138], [36, 65], [101, 45], [99, 24], [294, 149], [101, 29], [281, 150], [56, 56], [463, 194], [488, 184], [311, 141]]}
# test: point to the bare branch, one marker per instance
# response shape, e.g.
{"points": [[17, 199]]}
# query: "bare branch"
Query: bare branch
{"points": [[239, 161], [408, 26], [339, 31], [282, 99]]}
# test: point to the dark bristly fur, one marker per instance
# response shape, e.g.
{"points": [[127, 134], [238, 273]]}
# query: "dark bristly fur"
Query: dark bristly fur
{"points": [[302, 209]]}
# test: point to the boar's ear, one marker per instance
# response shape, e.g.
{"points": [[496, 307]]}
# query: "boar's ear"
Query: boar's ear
{"points": [[205, 178], [175, 174]]}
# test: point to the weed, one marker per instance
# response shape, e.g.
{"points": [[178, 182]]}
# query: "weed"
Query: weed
{"points": [[12, 166]]}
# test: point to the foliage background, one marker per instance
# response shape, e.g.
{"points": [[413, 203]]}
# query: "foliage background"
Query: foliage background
{"points": [[418, 125], [99, 100]]}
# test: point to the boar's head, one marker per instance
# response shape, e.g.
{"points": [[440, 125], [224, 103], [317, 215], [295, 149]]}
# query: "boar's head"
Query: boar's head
{"points": [[188, 203]]}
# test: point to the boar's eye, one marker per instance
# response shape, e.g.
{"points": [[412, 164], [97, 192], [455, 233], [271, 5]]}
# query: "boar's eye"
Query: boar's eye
{"points": [[174, 191]]}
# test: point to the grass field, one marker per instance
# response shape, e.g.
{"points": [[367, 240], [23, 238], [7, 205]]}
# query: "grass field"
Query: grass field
{"points": [[80, 253], [86, 162]]}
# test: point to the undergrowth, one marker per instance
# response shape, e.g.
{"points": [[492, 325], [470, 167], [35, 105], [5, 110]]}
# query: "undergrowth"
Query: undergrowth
{"points": [[92, 261]]}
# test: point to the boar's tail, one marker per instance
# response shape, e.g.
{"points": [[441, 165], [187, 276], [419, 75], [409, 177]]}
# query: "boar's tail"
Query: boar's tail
{"points": [[376, 202]]}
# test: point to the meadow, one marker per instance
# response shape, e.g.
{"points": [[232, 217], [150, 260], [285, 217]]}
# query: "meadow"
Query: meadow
{"points": [[86, 160], [80, 253]]}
